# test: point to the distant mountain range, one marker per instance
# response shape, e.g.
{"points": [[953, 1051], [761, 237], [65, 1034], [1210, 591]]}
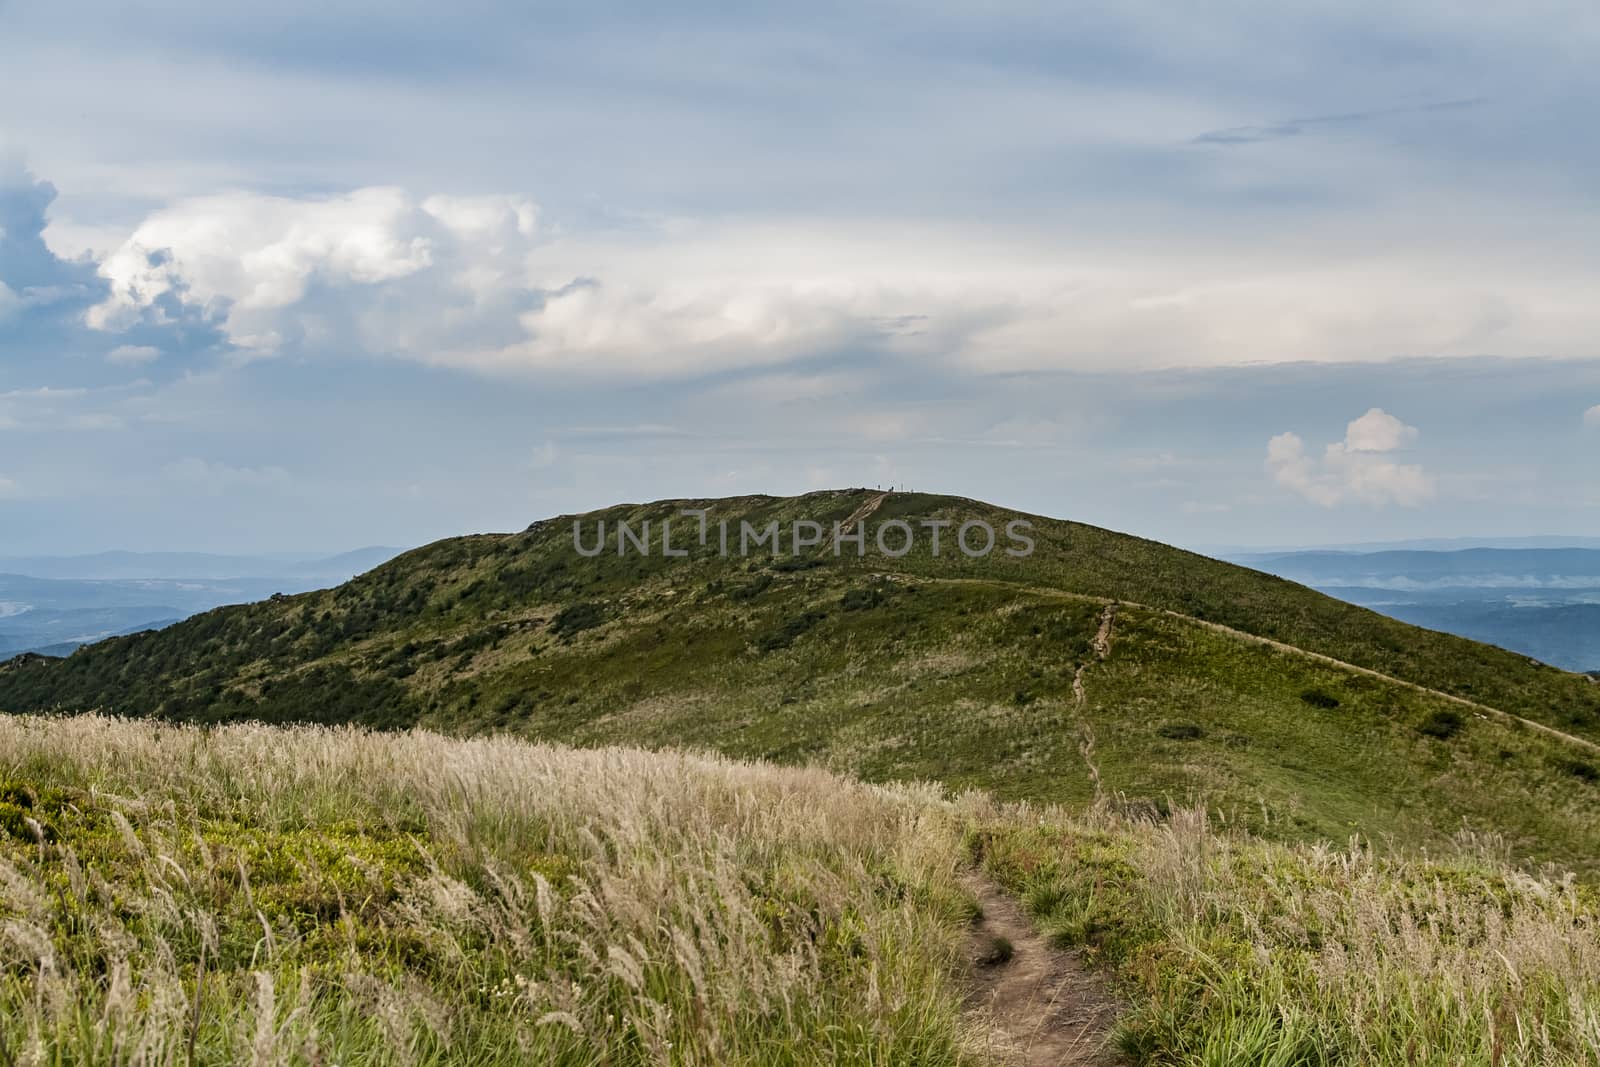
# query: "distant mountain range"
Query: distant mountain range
{"points": [[1420, 544], [55, 604], [1544, 602], [109, 566]]}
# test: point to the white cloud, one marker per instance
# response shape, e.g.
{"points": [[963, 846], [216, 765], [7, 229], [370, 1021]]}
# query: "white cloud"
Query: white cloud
{"points": [[133, 355], [1356, 468], [1592, 416], [1378, 431], [9, 488], [476, 283], [484, 218], [257, 256]]}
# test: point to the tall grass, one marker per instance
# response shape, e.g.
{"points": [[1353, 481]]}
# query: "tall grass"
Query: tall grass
{"points": [[249, 894], [325, 896], [1239, 952]]}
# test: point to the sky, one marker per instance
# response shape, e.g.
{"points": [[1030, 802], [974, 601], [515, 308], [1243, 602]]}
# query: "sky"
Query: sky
{"points": [[1238, 273]]}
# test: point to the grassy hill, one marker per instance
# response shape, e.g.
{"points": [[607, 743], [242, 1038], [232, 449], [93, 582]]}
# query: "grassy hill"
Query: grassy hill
{"points": [[1290, 712]]}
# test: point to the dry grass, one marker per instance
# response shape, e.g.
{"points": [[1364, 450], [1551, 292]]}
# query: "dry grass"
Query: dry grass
{"points": [[249, 894], [268, 896]]}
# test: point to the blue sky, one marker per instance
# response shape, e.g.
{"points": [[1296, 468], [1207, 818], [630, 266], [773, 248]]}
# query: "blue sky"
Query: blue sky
{"points": [[346, 274]]}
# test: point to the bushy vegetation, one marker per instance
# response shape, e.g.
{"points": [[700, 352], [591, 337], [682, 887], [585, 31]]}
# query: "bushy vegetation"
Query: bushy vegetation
{"points": [[1443, 724]]}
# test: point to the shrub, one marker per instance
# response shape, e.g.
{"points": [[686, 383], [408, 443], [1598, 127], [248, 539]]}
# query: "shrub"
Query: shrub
{"points": [[1181, 731], [863, 599], [1442, 725], [1583, 769], [753, 589], [575, 618], [785, 635]]}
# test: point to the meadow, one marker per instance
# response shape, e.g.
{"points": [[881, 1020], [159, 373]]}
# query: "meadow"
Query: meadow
{"points": [[328, 896], [177, 894]]}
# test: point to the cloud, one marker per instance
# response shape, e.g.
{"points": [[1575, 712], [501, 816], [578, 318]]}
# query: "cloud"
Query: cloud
{"points": [[461, 282], [46, 299], [1592, 416], [38, 289], [1356, 468], [370, 272], [1243, 135], [1378, 431], [475, 284], [133, 355], [9, 488]]}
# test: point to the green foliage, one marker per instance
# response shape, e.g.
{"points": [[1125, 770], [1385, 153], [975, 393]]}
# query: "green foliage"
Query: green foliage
{"points": [[576, 618], [864, 599], [791, 629], [1443, 724], [1582, 769]]}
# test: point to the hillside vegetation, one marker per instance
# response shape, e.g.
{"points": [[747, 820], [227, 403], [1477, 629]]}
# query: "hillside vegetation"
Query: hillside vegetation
{"points": [[1216, 684], [312, 895]]}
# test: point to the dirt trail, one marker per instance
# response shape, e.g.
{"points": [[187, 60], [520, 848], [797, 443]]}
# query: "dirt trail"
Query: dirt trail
{"points": [[1080, 697], [1102, 636], [1041, 1007], [1102, 648], [870, 505]]}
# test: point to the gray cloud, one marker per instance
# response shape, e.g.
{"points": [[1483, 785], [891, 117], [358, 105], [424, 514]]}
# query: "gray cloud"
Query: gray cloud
{"points": [[45, 301], [1243, 135]]}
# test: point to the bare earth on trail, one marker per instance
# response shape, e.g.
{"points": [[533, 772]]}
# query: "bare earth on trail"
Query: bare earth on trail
{"points": [[860, 514], [1042, 1006]]}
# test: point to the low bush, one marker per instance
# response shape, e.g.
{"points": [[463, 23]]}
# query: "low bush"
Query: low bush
{"points": [[1443, 724]]}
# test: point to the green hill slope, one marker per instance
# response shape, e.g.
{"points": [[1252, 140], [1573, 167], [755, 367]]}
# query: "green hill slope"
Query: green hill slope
{"points": [[1288, 710]]}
